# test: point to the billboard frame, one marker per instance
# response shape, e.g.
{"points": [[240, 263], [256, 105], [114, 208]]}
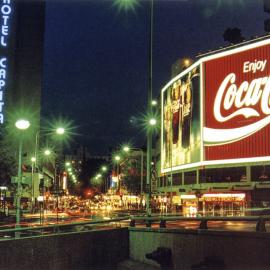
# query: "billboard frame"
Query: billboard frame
{"points": [[201, 63]]}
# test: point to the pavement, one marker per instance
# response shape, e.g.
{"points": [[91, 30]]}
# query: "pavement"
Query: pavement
{"points": [[135, 265]]}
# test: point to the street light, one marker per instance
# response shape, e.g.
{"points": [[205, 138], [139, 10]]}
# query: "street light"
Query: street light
{"points": [[130, 4], [152, 122], [47, 152], [117, 158], [154, 103], [33, 162], [22, 125], [60, 131]]}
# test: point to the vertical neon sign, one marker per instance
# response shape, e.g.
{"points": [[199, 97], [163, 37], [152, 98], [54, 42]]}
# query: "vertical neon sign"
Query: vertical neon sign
{"points": [[5, 17]]}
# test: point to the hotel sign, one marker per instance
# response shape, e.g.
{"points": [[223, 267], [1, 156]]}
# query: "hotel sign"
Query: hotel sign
{"points": [[5, 18]]}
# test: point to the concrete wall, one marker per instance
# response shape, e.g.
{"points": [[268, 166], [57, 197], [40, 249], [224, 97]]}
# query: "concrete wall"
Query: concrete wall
{"points": [[239, 250], [101, 249]]}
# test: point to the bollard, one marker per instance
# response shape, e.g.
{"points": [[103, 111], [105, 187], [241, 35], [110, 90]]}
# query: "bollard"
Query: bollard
{"points": [[260, 226], [148, 223], [132, 223], [162, 224], [203, 225]]}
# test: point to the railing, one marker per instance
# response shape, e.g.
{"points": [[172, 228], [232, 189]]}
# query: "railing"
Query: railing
{"points": [[57, 228], [203, 221]]}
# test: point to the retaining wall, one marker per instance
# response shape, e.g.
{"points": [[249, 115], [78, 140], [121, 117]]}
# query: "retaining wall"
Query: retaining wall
{"points": [[100, 249], [238, 250]]}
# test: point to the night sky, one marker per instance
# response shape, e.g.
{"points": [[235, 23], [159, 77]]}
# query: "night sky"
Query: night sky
{"points": [[96, 58]]}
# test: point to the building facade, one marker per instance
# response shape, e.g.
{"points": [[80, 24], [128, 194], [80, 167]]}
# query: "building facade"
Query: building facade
{"points": [[21, 57], [215, 147]]}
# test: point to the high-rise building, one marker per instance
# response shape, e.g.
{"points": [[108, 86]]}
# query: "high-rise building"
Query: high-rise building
{"points": [[21, 63]]}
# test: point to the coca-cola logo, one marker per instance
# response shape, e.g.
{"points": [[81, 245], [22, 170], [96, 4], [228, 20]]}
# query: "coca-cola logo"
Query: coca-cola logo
{"points": [[248, 99]]}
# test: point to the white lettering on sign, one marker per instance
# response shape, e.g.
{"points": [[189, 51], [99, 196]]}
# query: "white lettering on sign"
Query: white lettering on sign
{"points": [[243, 97], [3, 66], [254, 66], [244, 100], [5, 17]]}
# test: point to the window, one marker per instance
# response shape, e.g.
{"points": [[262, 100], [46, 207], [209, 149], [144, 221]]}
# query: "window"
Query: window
{"points": [[223, 175], [190, 177]]}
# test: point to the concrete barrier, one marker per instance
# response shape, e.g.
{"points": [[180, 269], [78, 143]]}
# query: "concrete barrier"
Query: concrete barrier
{"points": [[96, 249], [194, 249]]}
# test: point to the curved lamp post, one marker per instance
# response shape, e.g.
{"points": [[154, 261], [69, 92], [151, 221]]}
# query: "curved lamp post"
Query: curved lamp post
{"points": [[22, 125]]}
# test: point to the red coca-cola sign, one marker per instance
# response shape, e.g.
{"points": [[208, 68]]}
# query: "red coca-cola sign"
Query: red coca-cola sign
{"points": [[237, 103]]}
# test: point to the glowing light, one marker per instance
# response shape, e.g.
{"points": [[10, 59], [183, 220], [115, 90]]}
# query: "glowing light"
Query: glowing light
{"points": [[22, 124], [126, 5], [225, 195], [33, 159], [60, 130], [117, 158], [104, 168], [152, 121], [126, 148], [67, 164], [47, 152], [187, 196], [154, 103]]}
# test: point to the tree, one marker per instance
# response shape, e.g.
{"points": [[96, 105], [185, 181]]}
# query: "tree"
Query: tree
{"points": [[131, 175], [8, 166], [233, 35]]}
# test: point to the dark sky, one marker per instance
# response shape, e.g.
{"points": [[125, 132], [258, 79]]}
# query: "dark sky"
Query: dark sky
{"points": [[96, 58]]}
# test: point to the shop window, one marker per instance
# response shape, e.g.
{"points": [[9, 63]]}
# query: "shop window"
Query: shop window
{"points": [[260, 173], [177, 179], [190, 177], [223, 175]]}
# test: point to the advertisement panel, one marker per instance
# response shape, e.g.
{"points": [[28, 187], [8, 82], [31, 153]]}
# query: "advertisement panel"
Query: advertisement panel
{"points": [[181, 131], [237, 103]]}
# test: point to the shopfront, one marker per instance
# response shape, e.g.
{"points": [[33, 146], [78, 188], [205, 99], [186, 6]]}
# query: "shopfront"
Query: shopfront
{"points": [[224, 204]]}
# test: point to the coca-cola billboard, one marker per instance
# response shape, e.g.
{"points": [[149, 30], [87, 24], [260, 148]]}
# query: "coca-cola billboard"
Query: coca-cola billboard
{"points": [[237, 103]]}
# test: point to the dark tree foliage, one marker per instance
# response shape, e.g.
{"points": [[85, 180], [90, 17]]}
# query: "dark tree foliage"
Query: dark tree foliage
{"points": [[8, 165], [233, 35], [131, 175]]}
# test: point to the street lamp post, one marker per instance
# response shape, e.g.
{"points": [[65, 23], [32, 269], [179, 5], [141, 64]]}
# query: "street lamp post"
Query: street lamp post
{"points": [[130, 4], [22, 125], [33, 162], [117, 159], [149, 107]]}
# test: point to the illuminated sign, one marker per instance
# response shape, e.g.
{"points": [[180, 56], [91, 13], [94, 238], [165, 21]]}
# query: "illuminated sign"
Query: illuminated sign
{"points": [[237, 107], [181, 131], [5, 16], [233, 110]]}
